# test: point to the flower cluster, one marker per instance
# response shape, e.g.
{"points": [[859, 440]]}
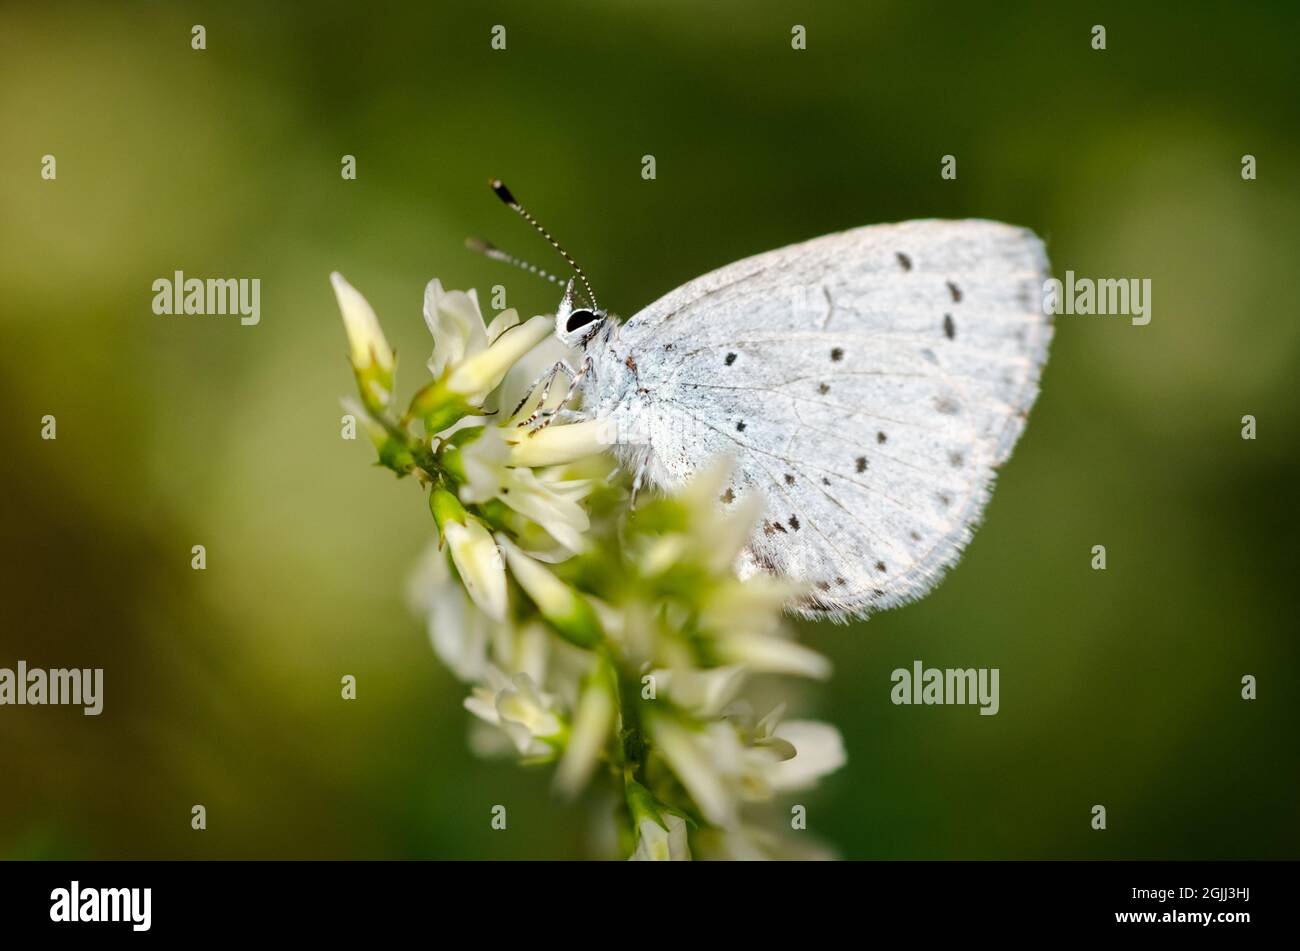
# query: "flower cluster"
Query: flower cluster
{"points": [[615, 642]]}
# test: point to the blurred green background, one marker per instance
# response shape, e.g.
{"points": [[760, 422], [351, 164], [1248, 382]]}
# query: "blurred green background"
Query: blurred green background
{"points": [[1119, 687]]}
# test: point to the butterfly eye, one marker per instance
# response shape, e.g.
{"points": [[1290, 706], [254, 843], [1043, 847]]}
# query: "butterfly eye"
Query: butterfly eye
{"points": [[579, 318]]}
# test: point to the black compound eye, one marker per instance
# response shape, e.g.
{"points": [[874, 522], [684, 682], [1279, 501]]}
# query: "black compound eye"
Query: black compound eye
{"points": [[577, 319]]}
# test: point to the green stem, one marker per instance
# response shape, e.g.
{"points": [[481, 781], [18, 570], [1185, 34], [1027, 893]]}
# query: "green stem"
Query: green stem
{"points": [[631, 737]]}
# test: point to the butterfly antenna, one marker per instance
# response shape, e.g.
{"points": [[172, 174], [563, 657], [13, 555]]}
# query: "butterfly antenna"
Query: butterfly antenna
{"points": [[499, 188], [490, 250]]}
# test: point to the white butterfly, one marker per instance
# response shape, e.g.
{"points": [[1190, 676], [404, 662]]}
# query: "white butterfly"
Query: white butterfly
{"points": [[867, 385]]}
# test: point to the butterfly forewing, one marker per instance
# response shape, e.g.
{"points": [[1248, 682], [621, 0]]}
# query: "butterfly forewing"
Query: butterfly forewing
{"points": [[866, 384]]}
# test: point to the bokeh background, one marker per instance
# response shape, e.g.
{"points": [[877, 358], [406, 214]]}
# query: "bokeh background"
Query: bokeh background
{"points": [[1119, 687]]}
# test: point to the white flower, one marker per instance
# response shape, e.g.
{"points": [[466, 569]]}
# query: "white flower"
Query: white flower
{"points": [[819, 750], [527, 715], [662, 553], [482, 701], [734, 760], [752, 606], [456, 323], [744, 619], [458, 631], [744, 768], [701, 693], [476, 376], [570, 613], [553, 504], [593, 718], [523, 649], [556, 445], [690, 755], [720, 534], [662, 843], [771, 761], [771, 654], [479, 563], [748, 843], [551, 595]]}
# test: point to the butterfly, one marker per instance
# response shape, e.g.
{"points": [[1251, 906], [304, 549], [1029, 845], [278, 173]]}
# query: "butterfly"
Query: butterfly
{"points": [[867, 386]]}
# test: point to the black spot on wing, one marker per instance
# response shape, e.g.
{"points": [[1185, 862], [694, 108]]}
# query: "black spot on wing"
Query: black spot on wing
{"points": [[729, 359], [903, 260], [837, 354]]}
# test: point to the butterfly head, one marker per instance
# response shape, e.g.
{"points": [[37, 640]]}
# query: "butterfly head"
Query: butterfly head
{"points": [[576, 321], [578, 318]]}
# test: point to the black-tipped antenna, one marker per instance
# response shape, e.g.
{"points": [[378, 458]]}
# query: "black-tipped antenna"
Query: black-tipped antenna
{"points": [[504, 194], [490, 250]]}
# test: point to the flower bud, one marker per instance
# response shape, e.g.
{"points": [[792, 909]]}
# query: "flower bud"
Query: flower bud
{"points": [[556, 445], [688, 753], [593, 719], [463, 387], [770, 654], [480, 374], [372, 359], [567, 611], [661, 833], [475, 554], [701, 693]]}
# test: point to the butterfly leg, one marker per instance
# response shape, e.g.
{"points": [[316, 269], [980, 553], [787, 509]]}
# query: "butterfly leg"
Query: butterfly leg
{"points": [[638, 480], [547, 377], [543, 417]]}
